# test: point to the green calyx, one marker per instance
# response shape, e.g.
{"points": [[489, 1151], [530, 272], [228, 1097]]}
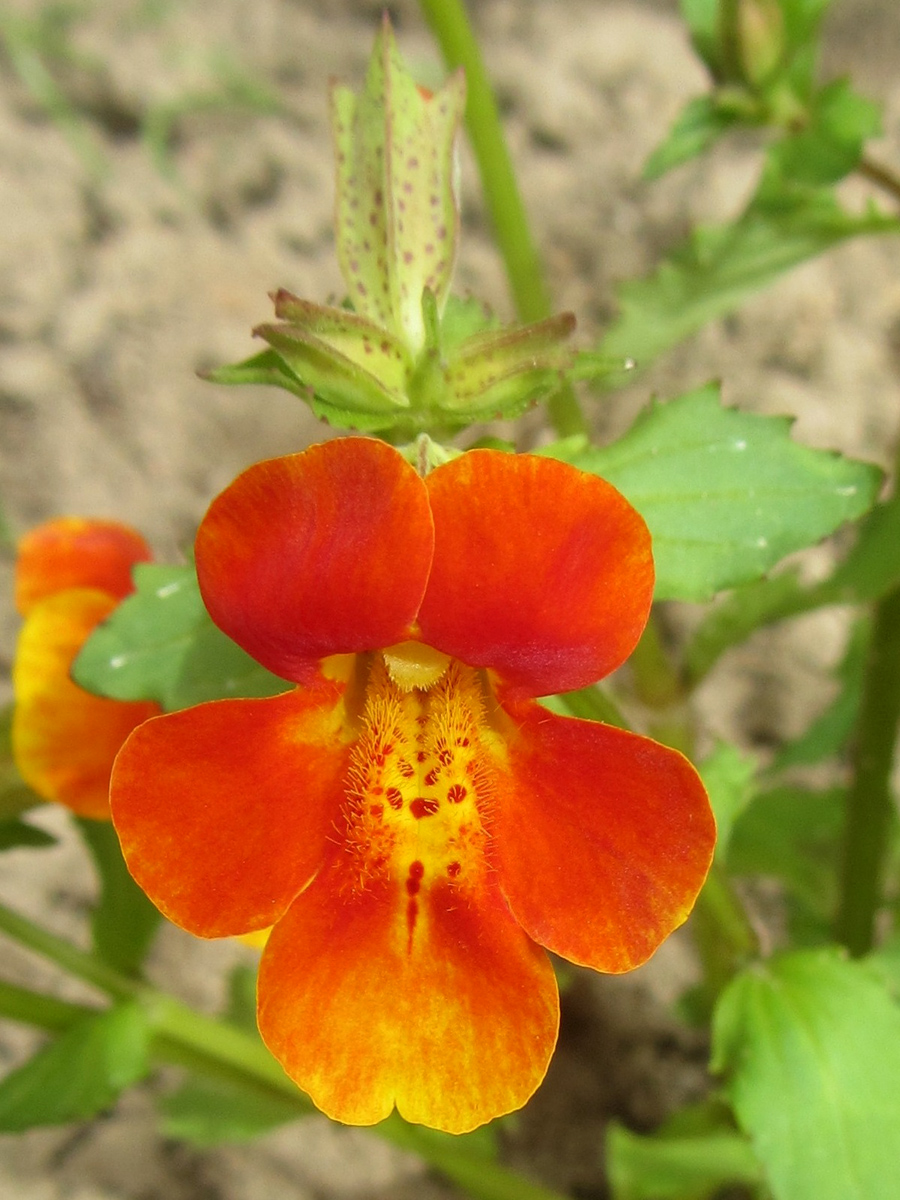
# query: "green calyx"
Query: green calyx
{"points": [[403, 357]]}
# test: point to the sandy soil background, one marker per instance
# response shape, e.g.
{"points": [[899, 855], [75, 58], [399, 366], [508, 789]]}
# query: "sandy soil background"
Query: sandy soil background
{"points": [[118, 282]]}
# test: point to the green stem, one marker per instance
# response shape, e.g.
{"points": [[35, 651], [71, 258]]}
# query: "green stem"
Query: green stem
{"points": [[450, 24], [884, 177], [869, 806], [723, 935], [41, 1011], [225, 1053], [64, 954]]}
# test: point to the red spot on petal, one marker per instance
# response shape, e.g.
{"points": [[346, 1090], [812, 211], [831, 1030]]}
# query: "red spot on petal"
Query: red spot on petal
{"points": [[456, 794], [432, 777], [423, 806], [421, 756], [453, 869], [406, 769], [416, 871], [412, 911], [394, 797]]}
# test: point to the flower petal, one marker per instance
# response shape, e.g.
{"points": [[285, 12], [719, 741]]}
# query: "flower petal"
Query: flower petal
{"points": [[324, 552], [65, 739], [224, 810], [73, 552], [541, 571], [602, 838], [454, 1024]]}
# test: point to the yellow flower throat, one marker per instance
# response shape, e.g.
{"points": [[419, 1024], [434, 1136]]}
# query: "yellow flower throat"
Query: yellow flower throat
{"points": [[419, 786]]}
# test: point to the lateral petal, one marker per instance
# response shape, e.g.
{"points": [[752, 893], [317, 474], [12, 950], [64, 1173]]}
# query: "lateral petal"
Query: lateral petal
{"points": [[64, 738], [602, 838], [75, 552], [324, 552], [454, 1023], [224, 810], [541, 571]]}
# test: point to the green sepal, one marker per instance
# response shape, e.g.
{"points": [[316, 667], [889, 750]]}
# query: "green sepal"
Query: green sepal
{"points": [[350, 363], [498, 373], [269, 369], [397, 214]]}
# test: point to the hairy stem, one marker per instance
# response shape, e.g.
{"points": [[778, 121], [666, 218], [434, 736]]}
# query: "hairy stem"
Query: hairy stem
{"points": [[450, 23]]}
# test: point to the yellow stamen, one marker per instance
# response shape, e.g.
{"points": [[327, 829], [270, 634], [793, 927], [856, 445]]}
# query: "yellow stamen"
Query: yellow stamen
{"points": [[413, 665]]}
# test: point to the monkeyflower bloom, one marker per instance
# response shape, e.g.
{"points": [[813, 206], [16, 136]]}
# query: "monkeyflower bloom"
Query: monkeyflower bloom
{"points": [[70, 575], [411, 822]]}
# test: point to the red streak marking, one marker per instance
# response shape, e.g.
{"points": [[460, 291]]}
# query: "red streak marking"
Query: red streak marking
{"points": [[412, 911], [453, 869], [406, 769], [423, 806], [394, 797], [416, 871], [456, 794]]}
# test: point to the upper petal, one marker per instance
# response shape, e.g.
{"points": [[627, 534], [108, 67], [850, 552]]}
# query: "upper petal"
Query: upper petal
{"points": [[65, 739], [224, 810], [324, 552], [602, 838], [541, 571], [453, 1019], [74, 552]]}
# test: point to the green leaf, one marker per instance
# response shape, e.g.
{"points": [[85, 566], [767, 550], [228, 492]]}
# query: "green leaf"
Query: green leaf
{"points": [[810, 1045], [700, 123], [15, 833], [123, 920], [15, 794], [207, 1114], [737, 615], [725, 494], [830, 731], [721, 266], [7, 541], [791, 834], [702, 19], [677, 1168], [80, 1074], [870, 570], [728, 776], [160, 644], [829, 147]]}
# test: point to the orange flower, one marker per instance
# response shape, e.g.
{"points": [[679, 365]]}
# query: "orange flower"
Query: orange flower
{"points": [[411, 822], [70, 574]]}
